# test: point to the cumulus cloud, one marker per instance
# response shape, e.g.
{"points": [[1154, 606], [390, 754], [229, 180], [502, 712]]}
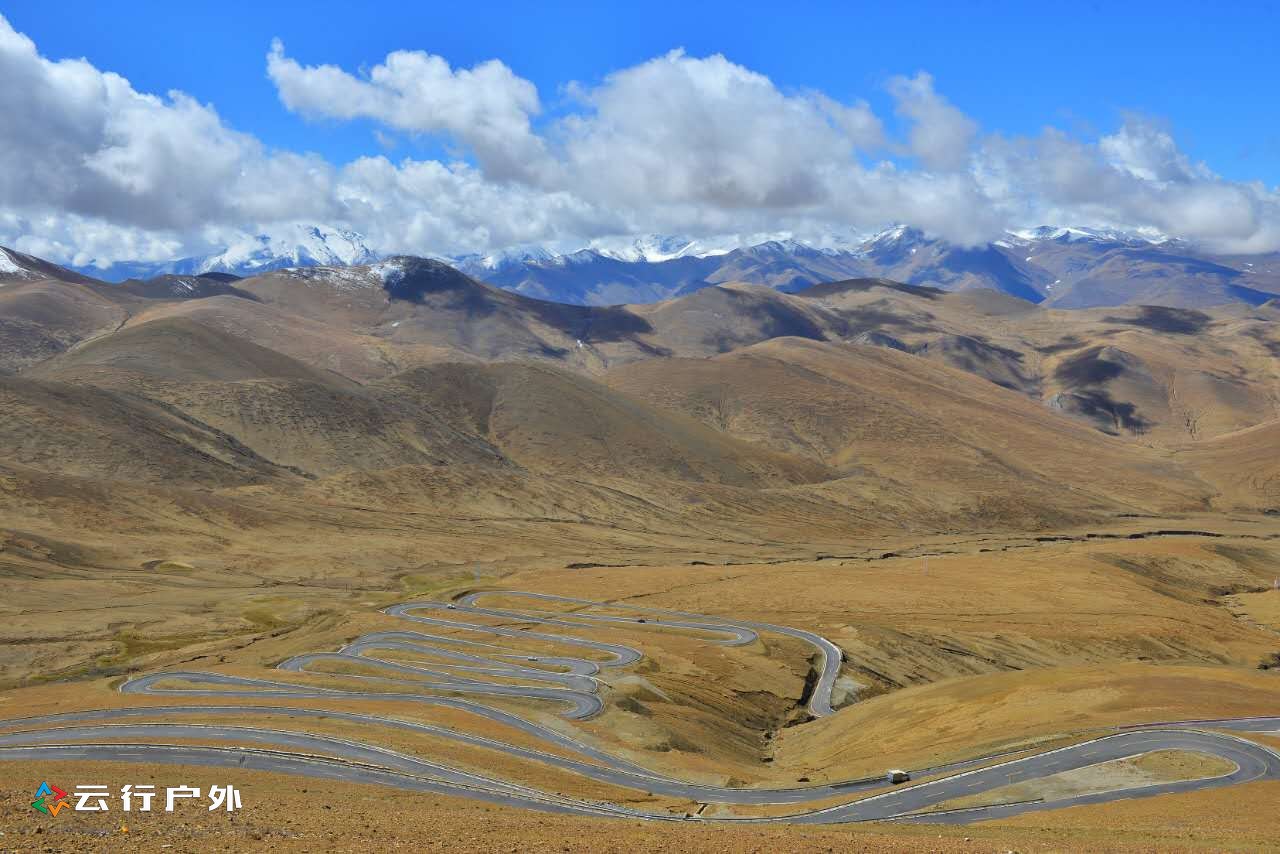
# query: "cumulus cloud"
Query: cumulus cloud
{"points": [[78, 240], [1147, 151], [1134, 178], [678, 129], [428, 206], [941, 135], [83, 142], [92, 169], [487, 108]]}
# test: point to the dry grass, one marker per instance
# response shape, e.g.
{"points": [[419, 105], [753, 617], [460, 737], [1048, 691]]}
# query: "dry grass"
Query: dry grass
{"points": [[1163, 766], [942, 674], [1260, 608], [1236, 818]]}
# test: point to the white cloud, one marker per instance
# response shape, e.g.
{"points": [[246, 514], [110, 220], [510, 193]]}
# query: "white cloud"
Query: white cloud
{"points": [[90, 168], [1147, 151], [78, 240], [487, 108], [680, 130], [83, 142], [1134, 178], [427, 206], [941, 135]]}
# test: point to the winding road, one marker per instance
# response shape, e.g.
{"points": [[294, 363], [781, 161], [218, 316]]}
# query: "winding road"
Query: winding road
{"points": [[456, 670]]}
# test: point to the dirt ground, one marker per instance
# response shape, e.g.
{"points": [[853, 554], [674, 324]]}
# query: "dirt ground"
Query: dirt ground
{"points": [[288, 814], [1160, 767]]}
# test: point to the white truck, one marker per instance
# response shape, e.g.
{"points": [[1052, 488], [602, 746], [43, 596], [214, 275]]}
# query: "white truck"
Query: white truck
{"points": [[897, 776]]}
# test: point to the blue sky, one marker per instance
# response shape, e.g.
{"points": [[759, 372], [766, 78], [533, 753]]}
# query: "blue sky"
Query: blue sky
{"points": [[1155, 116], [1209, 70]]}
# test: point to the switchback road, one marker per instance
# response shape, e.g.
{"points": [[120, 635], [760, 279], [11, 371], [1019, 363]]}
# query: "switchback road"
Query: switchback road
{"points": [[452, 671]]}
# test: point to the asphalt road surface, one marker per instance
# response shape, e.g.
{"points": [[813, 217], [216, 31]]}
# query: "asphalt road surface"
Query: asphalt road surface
{"points": [[461, 669]]}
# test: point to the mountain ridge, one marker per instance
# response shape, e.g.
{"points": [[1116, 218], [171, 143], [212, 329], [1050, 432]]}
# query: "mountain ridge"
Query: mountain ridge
{"points": [[298, 245], [1158, 372], [1062, 266]]}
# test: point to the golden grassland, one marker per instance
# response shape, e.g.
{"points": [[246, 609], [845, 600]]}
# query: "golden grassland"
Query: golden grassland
{"points": [[283, 813], [987, 645], [1260, 608]]}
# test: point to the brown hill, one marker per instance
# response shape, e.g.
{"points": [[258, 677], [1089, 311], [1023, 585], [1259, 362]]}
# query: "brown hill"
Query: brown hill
{"points": [[319, 423], [894, 423], [321, 429], [1150, 275], [361, 357], [1165, 374], [953, 328], [1243, 466], [553, 421], [846, 287], [994, 363], [90, 432], [170, 287], [417, 302], [1161, 374], [305, 419], [41, 318], [178, 349], [718, 319], [879, 304]]}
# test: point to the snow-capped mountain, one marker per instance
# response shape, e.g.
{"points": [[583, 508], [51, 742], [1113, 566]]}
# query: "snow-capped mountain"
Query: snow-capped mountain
{"points": [[297, 245], [655, 248], [18, 267], [655, 267], [893, 245], [1069, 267], [8, 267], [1076, 234], [645, 248], [480, 262]]}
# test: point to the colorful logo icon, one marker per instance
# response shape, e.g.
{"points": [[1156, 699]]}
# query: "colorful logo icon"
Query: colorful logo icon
{"points": [[49, 799]]}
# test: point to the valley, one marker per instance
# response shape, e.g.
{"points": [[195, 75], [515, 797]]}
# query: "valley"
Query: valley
{"points": [[782, 542]]}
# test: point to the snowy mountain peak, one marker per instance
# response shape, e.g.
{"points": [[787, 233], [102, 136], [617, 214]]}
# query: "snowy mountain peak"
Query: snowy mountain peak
{"points": [[893, 244], [654, 247], [588, 255], [290, 245], [896, 236], [297, 245], [511, 256], [785, 246], [1075, 234]]}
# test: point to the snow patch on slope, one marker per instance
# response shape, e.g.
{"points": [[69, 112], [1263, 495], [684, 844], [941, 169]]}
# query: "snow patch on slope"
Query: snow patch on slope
{"points": [[343, 279], [8, 267], [388, 272]]}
